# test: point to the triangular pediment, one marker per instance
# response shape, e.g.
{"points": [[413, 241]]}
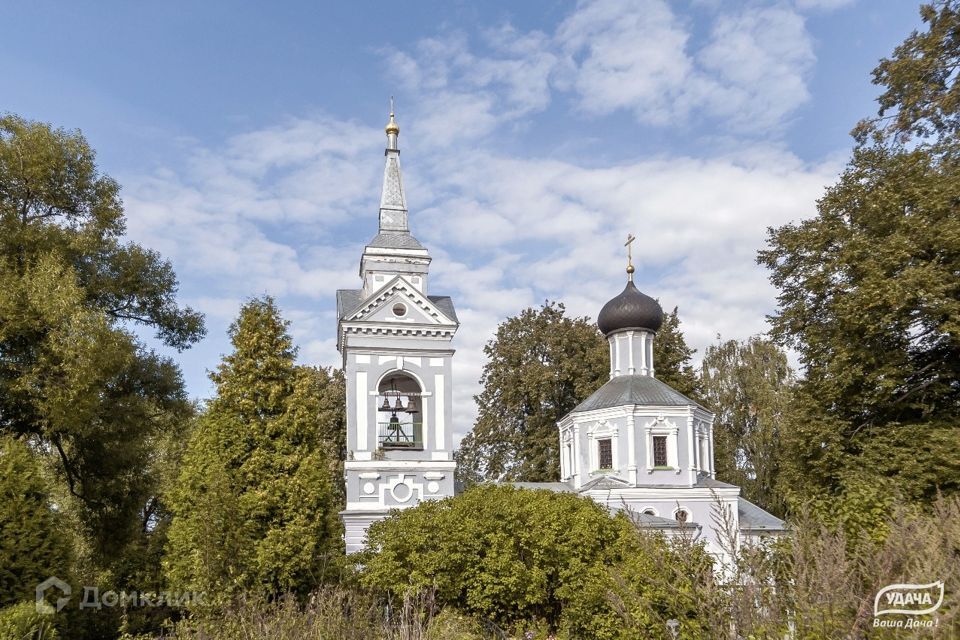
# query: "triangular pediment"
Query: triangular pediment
{"points": [[383, 307]]}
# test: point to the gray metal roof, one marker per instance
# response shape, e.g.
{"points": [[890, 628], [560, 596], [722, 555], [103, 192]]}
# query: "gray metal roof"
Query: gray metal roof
{"points": [[627, 390], [349, 299], [704, 480], [754, 518], [604, 482], [445, 304], [649, 521], [395, 240]]}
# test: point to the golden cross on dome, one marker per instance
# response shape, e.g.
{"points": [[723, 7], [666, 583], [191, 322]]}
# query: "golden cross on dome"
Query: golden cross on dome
{"points": [[630, 269]]}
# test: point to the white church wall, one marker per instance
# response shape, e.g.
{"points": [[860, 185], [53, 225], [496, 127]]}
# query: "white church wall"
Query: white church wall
{"points": [[383, 485], [432, 370], [702, 506], [674, 424]]}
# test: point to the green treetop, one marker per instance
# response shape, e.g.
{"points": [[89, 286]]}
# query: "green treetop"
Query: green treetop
{"points": [[870, 294], [72, 374], [540, 365], [255, 505], [749, 387]]}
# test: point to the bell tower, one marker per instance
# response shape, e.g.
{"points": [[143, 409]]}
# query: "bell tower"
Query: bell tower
{"points": [[395, 341]]}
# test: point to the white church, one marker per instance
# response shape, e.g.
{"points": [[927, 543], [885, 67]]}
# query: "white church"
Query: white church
{"points": [[634, 444]]}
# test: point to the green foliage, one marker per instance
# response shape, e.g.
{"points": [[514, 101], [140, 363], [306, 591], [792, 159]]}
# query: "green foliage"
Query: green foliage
{"points": [[870, 299], [257, 497], [748, 385], [22, 622], [671, 357], [516, 556], [72, 375], [810, 585], [32, 545], [922, 97], [540, 365]]}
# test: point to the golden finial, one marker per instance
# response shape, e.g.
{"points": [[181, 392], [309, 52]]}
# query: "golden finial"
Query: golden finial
{"points": [[630, 269], [392, 126]]}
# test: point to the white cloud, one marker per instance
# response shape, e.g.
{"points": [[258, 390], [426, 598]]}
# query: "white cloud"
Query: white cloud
{"points": [[506, 233], [824, 5], [284, 210], [760, 59], [616, 55], [628, 55]]}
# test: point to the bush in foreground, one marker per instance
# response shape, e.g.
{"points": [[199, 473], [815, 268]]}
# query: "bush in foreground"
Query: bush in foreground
{"points": [[520, 558]]}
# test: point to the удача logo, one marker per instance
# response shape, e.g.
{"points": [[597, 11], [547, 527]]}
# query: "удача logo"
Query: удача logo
{"points": [[912, 599]]}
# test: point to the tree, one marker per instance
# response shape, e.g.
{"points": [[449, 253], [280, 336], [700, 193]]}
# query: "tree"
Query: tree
{"points": [[540, 365], [922, 97], [255, 506], [517, 556], [671, 357], [32, 545], [73, 376], [748, 385], [870, 298]]}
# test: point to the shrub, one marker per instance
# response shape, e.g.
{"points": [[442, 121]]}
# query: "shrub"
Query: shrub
{"points": [[22, 622], [520, 557]]}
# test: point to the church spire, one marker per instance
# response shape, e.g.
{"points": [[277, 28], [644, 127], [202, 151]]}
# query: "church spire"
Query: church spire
{"points": [[393, 201]]}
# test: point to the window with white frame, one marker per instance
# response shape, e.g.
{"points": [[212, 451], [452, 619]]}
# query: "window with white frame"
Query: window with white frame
{"points": [[603, 446], [660, 451], [661, 445], [604, 453]]}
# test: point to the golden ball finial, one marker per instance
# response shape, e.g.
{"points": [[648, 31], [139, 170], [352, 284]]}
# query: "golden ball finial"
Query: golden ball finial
{"points": [[392, 126], [630, 269]]}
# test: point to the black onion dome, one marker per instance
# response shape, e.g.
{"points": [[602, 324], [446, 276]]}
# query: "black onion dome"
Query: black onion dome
{"points": [[630, 310]]}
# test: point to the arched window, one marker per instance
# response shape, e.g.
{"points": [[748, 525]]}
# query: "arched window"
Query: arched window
{"points": [[399, 421], [681, 516]]}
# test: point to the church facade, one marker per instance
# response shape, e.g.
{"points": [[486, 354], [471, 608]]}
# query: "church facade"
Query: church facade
{"points": [[394, 339], [635, 444], [638, 445]]}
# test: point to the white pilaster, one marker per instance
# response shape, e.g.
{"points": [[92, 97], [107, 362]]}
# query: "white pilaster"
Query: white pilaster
{"points": [[441, 410], [577, 458], [644, 368], [616, 339], [361, 408]]}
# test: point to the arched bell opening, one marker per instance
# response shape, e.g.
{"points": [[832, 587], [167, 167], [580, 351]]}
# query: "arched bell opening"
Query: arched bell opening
{"points": [[399, 412]]}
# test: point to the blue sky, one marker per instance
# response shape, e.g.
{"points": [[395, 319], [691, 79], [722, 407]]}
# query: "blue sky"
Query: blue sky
{"points": [[248, 139]]}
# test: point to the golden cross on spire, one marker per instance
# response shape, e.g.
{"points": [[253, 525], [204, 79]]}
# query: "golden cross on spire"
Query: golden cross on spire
{"points": [[627, 244]]}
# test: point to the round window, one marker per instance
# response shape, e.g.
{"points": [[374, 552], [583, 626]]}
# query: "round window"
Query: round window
{"points": [[399, 309], [681, 516]]}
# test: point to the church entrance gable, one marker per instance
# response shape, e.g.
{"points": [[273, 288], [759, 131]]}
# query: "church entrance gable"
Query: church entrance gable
{"points": [[399, 302]]}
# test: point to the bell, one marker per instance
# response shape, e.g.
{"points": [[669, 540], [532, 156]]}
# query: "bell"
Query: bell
{"points": [[411, 408], [394, 421], [386, 405], [399, 405]]}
